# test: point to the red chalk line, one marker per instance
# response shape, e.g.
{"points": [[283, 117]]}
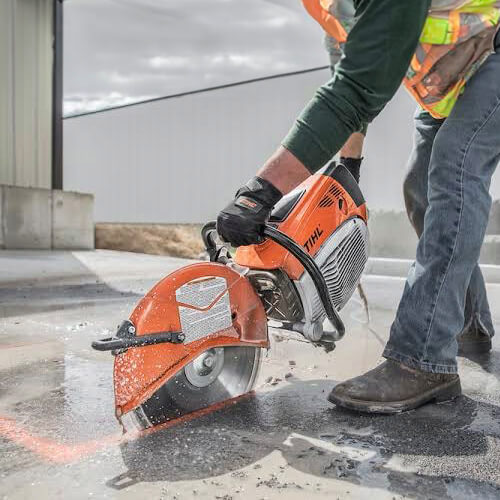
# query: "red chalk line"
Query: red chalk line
{"points": [[60, 453]]}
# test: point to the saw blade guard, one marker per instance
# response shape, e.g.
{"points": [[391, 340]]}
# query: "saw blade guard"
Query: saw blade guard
{"points": [[201, 307]]}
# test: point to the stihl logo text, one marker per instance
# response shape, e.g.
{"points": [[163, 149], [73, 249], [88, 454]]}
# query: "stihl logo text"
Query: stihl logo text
{"points": [[313, 239]]}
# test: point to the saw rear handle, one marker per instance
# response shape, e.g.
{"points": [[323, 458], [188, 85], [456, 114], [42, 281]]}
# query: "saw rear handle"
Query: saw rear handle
{"points": [[219, 253]]}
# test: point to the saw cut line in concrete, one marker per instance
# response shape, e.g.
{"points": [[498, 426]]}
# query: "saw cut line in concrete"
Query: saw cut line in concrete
{"points": [[49, 450], [60, 453]]}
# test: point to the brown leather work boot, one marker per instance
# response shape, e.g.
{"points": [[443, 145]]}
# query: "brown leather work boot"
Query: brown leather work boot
{"points": [[393, 387], [473, 339]]}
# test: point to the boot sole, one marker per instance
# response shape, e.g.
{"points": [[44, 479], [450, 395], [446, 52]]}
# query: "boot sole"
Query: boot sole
{"points": [[466, 348], [442, 394]]}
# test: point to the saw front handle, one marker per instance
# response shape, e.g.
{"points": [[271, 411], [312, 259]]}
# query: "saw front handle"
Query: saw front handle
{"points": [[218, 254], [125, 338]]}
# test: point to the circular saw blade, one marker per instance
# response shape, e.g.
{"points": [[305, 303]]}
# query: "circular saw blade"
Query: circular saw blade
{"points": [[215, 376]]}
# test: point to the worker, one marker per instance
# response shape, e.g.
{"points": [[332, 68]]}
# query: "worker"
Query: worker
{"points": [[444, 52], [477, 331], [475, 337]]}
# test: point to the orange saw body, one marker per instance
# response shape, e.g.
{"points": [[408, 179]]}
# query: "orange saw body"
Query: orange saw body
{"points": [[196, 338]]}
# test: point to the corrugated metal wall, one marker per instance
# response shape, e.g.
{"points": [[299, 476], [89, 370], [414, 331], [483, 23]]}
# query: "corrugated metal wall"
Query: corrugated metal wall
{"points": [[177, 160], [180, 160], [26, 37]]}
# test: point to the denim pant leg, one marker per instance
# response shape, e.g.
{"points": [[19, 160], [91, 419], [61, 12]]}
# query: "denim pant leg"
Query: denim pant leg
{"points": [[415, 189], [465, 153], [416, 183]]}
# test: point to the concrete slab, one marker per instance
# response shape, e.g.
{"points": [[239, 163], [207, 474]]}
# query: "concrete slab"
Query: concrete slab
{"points": [[72, 221], [19, 268], [59, 438], [27, 220], [17, 353], [491, 249], [400, 267], [384, 225]]}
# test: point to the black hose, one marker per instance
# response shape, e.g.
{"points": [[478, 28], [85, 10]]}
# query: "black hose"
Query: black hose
{"points": [[206, 233], [299, 253], [310, 266]]}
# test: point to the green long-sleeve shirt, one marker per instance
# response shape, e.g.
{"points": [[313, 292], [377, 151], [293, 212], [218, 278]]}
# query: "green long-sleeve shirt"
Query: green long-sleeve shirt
{"points": [[377, 54]]}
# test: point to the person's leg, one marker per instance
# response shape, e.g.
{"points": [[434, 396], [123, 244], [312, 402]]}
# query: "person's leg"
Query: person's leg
{"points": [[478, 326], [465, 154], [415, 185], [421, 352], [478, 329], [351, 154]]}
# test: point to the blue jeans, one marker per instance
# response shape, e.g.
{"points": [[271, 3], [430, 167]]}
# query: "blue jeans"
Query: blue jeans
{"points": [[447, 194]]}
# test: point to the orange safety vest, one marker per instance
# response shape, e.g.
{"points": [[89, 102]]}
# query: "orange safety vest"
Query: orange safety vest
{"points": [[438, 73]]}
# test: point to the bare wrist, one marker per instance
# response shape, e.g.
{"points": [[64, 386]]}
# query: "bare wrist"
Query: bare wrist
{"points": [[284, 171]]}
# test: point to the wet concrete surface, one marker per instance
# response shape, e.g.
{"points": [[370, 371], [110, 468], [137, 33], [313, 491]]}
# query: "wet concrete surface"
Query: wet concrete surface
{"points": [[59, 438]]}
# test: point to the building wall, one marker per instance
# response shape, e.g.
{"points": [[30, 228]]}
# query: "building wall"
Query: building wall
{"points": [[26, 37], [177, 160], [180, 160]]}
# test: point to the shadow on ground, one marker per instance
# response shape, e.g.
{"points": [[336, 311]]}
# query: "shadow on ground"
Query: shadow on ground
{"points": [[32, 284], [21, 301], [431, 452], [489, 362]]}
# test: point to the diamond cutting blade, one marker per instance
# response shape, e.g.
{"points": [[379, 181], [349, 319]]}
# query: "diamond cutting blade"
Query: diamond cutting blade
{"points": [[216, 375]]}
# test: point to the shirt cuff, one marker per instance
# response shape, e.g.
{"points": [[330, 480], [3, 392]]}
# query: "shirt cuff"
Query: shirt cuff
{"points": [[304, 145]]}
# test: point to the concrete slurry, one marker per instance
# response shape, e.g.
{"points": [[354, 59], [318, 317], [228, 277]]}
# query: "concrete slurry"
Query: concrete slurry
{"points": [[59, 438]]}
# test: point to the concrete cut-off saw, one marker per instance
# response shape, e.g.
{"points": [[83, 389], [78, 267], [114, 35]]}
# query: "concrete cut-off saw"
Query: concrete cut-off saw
{"points": [[196, 338]]}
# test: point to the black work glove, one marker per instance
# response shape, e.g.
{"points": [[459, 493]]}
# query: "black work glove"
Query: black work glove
{"points": [[353, 165], [242, 221]]}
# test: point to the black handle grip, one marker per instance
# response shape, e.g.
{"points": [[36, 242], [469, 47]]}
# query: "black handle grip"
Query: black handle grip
{"points": [[207, 233], [117, 343], [109, 344]]}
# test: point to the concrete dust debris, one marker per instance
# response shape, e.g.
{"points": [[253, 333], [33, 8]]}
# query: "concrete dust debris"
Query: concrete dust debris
{"points": [[274, 483], [239, 474]]}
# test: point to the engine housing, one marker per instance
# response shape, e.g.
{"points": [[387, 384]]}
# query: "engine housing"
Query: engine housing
{"points": [[327, 215]]}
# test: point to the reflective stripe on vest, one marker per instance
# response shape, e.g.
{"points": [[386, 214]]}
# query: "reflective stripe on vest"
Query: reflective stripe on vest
{"points": [[321, 11]]}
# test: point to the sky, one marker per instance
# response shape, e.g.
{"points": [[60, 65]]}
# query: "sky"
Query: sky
{"points": [[122, 51]]}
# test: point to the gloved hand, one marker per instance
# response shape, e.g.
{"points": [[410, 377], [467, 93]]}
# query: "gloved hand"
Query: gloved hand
{"points": [[242, 221], [353, 165]]}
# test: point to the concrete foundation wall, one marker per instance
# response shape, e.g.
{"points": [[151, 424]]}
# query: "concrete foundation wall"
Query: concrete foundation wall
{"points": [[35, 218], [26, 217], [72, 220]]}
